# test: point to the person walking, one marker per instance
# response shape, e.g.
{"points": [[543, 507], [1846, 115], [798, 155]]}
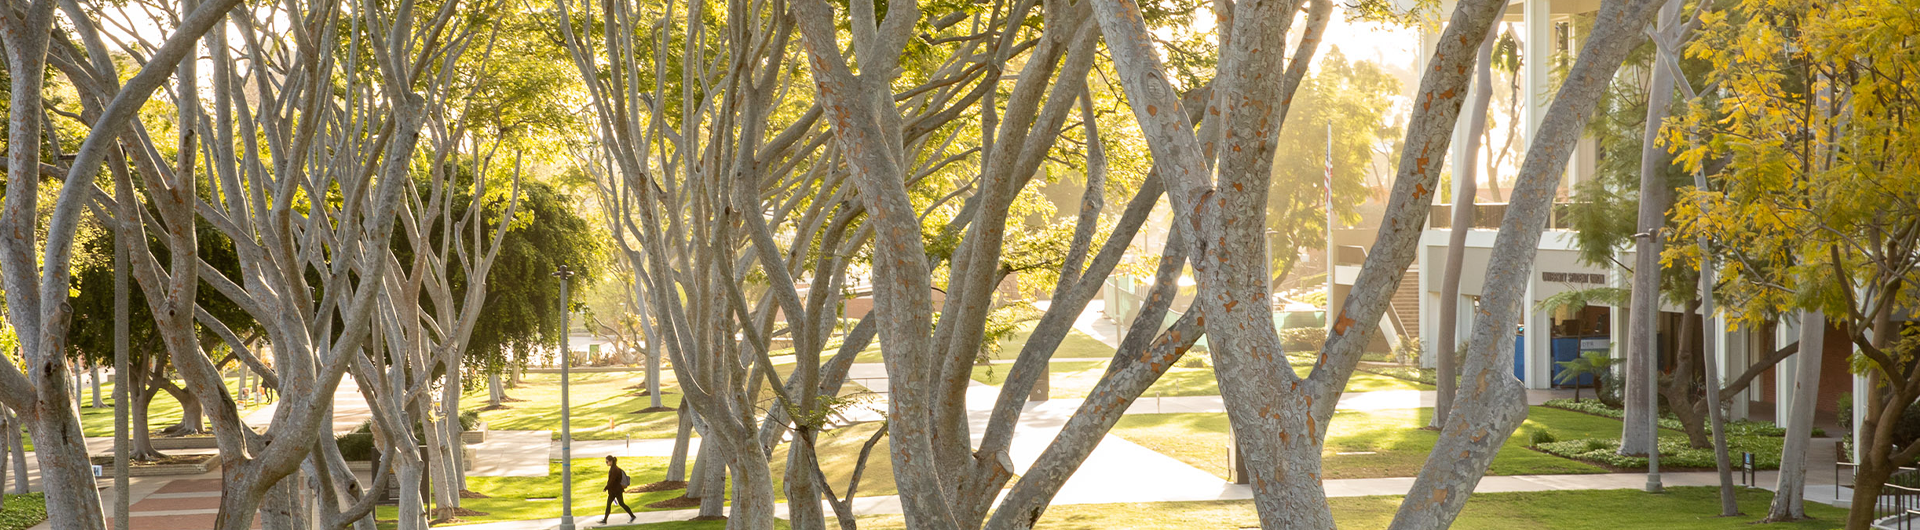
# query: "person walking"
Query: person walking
{"points": [[617, 482]]}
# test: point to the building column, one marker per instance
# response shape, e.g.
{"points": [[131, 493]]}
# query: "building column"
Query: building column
{"points": [[1539, 351], [1787, 371], [1736, 360], [1429, 305], [1536, 67]]}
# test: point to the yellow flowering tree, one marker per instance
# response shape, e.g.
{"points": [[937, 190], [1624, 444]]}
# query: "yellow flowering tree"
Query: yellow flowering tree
{"points": [[1807, 132]]}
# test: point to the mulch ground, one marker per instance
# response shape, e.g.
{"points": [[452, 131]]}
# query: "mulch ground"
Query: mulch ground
{"points": [[664, 485], [682, 501]]}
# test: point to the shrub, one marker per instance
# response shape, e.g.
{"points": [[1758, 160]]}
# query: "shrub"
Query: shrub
{"points": [[357, 447], [1845, 407], [469, 420], [1302, 339], [1192, 360], [1542, 437], [1409, 350], [1674, 452], [1303, 319], [23, 511], [1668, 421]]}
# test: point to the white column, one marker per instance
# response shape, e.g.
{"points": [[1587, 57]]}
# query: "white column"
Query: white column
{"points": [[1734, 361], [1533, 377], [1787, 371], [1429, 305], [1537, 54]]}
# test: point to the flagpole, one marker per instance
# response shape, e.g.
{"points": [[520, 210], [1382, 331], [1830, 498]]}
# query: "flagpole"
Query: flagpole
{"points": [[1328, 184]]}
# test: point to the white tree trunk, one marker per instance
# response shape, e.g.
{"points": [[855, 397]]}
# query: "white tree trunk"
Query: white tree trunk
{"points": [[1789, 493], [1493, 404], [1637, 435], [1464, 198]]}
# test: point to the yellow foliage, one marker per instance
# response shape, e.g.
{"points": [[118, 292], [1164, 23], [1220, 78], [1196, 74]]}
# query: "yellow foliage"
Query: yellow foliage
{"points": [[1808, 136]]}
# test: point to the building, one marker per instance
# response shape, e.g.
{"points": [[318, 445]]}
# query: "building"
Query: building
{"points": [[1547, 29]]}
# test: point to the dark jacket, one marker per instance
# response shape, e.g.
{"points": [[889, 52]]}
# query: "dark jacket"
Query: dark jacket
{"points": [[615, 476]]}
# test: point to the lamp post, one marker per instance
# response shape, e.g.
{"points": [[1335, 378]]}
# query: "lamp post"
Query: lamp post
{"points": [[1647, 348], [566, 410]]}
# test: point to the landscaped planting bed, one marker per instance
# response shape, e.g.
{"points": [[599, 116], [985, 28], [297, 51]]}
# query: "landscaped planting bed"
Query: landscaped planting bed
{"points": [[1668, 421]]}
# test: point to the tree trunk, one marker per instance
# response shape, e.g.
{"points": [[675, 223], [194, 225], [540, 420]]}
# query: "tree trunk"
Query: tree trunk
{"points": [[1464, 198], [1489, 410], [17, 445], [1681, 397], [496, 394], [682, 438], [711, 471], [803, 491], [6, 422], [192, 416], [94, 372], [1877, 457], [65, 471], [142, 402], [1789, 494], [1637, 435]]}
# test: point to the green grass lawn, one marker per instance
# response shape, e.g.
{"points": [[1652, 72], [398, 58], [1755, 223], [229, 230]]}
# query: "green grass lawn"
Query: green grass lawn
{"points": [[162, 412], [23, 511], [509, 496], [1076, 379], [839, 451], [1397, 444], [603, 406], [514, 498], [1691, 508], [1076, 345]]}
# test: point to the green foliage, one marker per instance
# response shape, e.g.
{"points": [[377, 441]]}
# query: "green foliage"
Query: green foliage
{"points": [[1003, 323], [1810, 141], [1354, 96], [1542, 437], [1408, 352], [1595, 363], [1674, 452], [1668, 421], [1580, 298], [91, 332], [23, 511], [1302, 339], [1845, 406], [522, 313], [357, 447]]}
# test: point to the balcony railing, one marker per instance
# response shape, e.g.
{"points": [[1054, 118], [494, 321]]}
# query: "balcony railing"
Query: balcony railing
{"points": [[1487, 216]]}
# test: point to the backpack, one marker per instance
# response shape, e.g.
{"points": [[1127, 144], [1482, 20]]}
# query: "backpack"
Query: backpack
{"points": [[625, 480]]}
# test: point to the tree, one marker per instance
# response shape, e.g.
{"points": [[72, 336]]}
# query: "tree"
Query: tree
{"points": [[36, 304], [1589, 363], [1279, 428], [1465, 193], [1808, 145], [92, 335], [1353, 96]]}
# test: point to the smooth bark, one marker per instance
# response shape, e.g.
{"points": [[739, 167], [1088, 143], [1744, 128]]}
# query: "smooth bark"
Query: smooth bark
{"points": [[1789, 494], [1466, 194], [1492, 402]]}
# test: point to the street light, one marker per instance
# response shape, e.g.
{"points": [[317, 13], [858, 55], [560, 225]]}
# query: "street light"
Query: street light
{"points": [[566, 409], [1653, 396]]}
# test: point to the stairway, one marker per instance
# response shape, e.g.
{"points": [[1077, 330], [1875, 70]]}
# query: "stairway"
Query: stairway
{"points": [[1406, 303]]}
